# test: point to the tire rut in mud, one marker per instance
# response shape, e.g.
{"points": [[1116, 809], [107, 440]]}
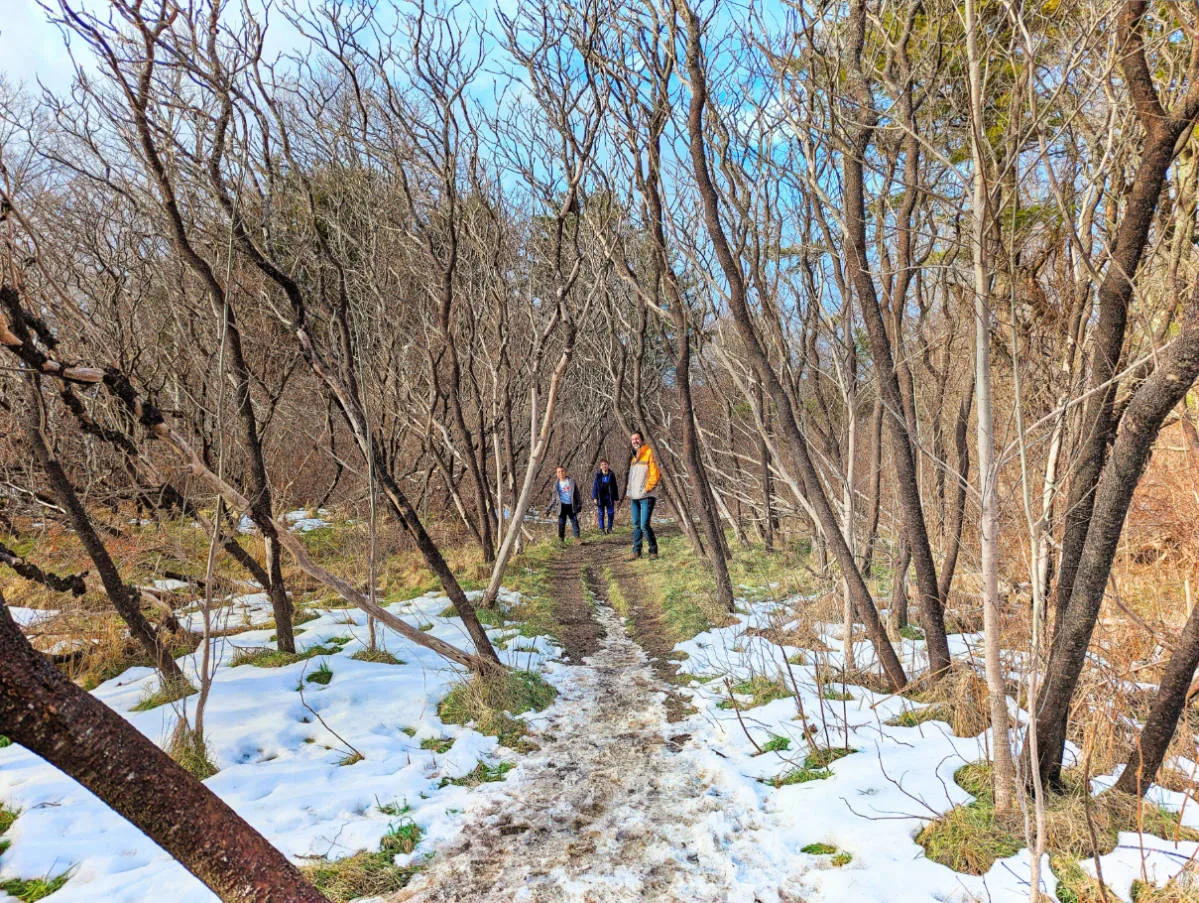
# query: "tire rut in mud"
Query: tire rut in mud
{"points": [[578, 630]]}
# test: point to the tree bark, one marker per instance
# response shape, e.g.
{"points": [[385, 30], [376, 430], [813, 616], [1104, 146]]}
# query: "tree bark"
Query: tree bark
{"points": [[1150, 749], [1153, 400], [1162, 130], [52, 718]]}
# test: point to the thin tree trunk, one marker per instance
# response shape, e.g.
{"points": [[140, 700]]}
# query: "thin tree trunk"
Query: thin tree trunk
{"points": [[767, 515], [899, 586], [1003, 769], [957, 511], [125, 598], [874, 502]]}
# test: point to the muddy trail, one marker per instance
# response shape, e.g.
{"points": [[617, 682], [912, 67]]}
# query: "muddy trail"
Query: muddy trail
{"points": [[610, 808]]}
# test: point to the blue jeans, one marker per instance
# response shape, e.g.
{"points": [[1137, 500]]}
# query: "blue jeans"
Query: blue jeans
{"points": [[565, 511], [642, 510], [606, 508]]}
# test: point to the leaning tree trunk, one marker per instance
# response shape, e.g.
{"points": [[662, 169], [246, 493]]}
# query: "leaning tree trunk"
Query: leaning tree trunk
{"points": [[1150, 749], [1153, 400], [1162, 131], [125, 599], [52, 718], [903, 454]]}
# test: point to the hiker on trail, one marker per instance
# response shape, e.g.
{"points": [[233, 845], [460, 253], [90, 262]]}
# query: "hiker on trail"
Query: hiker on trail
{"points": [[605, 492], [566, 496], [643, 478]]}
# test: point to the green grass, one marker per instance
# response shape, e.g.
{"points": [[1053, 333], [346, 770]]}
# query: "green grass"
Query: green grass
{"points": [[916, 717], [822, 758], [380, 656], [167, 692], [835, 695], [4, 741], [191, 751], [29, 890], [393, 808], [800, 776], [842, 859], [490, 703], [616, 596], [683, 588], [7, 817], [401, 837], [321, 675], [757, 569], [481, 774], [911, 632], [437, 744], [368, 874], [529, 574], [265, 657], [815, 767], [819, 849], [304, 615], [760, 689], [969, 838], [776, 744]]}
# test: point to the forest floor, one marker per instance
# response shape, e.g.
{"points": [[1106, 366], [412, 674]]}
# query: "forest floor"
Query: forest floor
{"points": [[664, 751]]}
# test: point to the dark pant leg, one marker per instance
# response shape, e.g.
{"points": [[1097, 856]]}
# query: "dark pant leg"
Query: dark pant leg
{"points": [[648, 509], [635, 509], [610, 508], [574, 523], [563, 512]]}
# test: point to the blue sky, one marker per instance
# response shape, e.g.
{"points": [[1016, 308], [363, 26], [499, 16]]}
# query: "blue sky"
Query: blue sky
{"points": [[30, 47]]}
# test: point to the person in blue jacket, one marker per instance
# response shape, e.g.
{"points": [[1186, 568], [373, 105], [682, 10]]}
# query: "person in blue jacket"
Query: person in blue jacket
{"points": [[605, 492]]}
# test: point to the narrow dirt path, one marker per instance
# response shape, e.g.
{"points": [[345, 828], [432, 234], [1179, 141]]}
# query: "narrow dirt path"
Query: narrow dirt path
{"points": [[611, 808]]}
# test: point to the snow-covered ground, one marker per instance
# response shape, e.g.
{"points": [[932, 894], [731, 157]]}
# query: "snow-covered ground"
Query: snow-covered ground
{"points": [[700, 810], [279, 767]]}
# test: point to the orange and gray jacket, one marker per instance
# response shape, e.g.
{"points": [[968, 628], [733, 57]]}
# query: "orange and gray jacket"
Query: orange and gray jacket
{"points": [[643, 474]]}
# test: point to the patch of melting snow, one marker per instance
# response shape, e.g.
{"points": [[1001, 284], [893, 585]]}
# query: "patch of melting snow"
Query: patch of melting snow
{"points": [[302, 522], [29, 617]]}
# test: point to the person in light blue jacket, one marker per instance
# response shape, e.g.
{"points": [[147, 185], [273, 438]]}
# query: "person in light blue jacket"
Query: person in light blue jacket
{"points": [[566, 497]]}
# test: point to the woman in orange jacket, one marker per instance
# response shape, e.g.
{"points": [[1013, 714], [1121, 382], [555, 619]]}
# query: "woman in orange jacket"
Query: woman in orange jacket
{"points": [[643, 480]]}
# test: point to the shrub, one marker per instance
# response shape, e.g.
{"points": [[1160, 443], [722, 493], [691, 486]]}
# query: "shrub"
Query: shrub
{"points": [[380, 656], [367, 874], [491, 702]]}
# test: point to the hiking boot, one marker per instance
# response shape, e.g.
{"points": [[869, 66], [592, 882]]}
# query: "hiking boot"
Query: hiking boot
{"points": [[635, 556], [653, 556]]}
